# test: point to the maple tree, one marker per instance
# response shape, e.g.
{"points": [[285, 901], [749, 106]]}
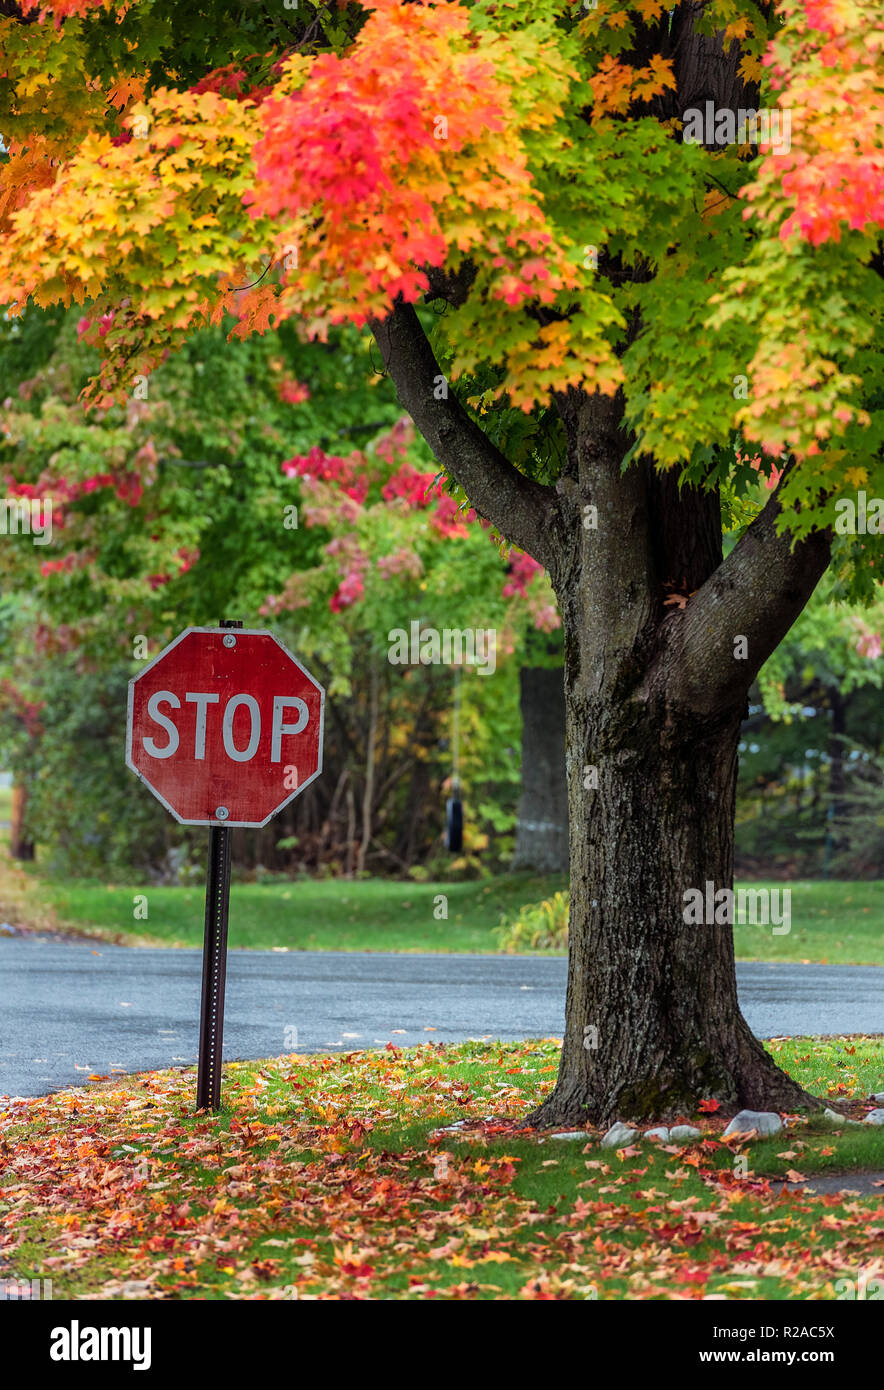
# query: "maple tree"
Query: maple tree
{"points": [[627, 317]]}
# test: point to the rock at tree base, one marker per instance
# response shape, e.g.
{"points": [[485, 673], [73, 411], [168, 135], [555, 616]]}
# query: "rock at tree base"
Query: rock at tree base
{"points": [[834, 1118], [764, 1122], [618, 1136]]}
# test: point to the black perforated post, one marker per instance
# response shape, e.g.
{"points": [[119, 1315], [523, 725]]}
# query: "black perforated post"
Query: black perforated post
{"points": [[208, 1084]]}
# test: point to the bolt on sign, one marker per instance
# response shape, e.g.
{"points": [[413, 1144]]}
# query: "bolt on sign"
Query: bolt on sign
{"points": [[225, 728]]}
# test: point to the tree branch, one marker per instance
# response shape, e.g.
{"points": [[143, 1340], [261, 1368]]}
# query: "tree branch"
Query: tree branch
{"points": [[525, 512], [756, 593], [451, 286]]}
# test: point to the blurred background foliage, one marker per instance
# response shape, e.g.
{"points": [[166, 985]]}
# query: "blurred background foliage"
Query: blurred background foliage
{"points": [[275, 480]]}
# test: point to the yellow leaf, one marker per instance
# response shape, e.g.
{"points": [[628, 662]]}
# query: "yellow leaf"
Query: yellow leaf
{"points": [[751, 69]]}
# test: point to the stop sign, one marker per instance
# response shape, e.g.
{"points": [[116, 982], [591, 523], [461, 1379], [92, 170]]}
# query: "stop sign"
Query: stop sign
{"points": [[225, 726]]}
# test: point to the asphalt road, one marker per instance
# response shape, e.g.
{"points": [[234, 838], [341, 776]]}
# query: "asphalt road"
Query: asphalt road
{"points": [[71, 1009]]}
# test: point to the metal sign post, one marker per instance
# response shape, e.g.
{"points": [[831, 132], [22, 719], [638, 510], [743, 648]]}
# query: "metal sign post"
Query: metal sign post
{"points": [[208, 1082], [208, 1085]]}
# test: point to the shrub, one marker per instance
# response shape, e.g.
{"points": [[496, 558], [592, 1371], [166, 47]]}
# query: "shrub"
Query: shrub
{"points": [[537, 927]]}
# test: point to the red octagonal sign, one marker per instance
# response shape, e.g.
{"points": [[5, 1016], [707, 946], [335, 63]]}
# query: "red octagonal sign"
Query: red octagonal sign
{"points": [[225, 726]]}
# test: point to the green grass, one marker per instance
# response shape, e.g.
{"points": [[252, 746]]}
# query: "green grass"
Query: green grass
{"points": [[832, 1068], [328, 1177], [837, 923], [303, 915], [5, 804]]}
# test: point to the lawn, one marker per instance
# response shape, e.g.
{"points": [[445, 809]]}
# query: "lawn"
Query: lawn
{"points": [[302, 915], [839, 923], [337, 1176]]}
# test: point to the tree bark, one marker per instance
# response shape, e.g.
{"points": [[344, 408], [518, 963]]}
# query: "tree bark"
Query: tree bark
{"points": [[368, 793], [837, 776], [20, 847], [658, 996], [542, 825]]}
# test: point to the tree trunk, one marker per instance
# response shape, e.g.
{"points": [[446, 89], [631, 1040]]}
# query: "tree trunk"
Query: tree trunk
{"points": [[837, 836], [658, 996], [351, 831], [368, 794], [20, 847], [542, 827], [655, 695]]}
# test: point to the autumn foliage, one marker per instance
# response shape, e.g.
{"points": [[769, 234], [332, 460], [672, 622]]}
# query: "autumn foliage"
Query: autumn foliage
{"points": [[324, 184], [342, 1177]]}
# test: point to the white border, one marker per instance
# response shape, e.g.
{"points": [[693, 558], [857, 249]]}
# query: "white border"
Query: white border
{"points": [[236, 632]]}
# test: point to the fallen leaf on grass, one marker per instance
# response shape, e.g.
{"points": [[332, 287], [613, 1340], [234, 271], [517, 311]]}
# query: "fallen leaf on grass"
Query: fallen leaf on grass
{"points": [[382, 1208]]}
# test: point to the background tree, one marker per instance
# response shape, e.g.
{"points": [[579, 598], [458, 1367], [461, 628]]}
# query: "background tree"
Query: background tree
{"points": [[168, 509], [813, 743], [652, 306], [402, 563], [542, 825], [199, 498]]}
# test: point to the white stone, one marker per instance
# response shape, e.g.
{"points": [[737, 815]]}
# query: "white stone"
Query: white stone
{"points": [[681, 1133], [764, 1122], [874, 1117], [571, 1134], [661, 1133], [835, 1119], [618, 1136], [877, 1096]]}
